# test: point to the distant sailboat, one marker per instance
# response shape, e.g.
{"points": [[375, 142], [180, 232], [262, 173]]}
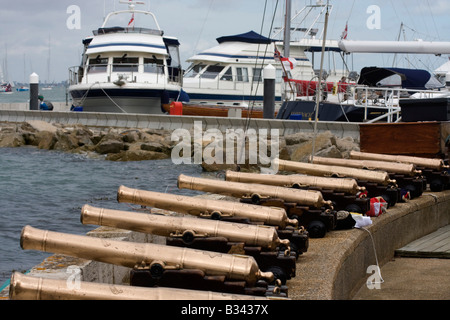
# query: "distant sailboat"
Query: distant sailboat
{"points": [[5, 86], [49, 87]]}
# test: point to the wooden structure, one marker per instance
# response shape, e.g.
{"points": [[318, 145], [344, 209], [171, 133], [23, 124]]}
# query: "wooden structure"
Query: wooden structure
{"points": [[434, 245], [421, 139]]}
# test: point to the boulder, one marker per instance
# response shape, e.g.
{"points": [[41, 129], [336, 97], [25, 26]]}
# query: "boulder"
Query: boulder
{"points": [[12, 140], [65, 141], [303, 151], [136, 155], [39, 126], [109, 146], [46, 140]]}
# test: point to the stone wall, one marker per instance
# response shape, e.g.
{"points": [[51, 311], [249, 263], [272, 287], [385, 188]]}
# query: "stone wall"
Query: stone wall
{"points": [[118, 144]]}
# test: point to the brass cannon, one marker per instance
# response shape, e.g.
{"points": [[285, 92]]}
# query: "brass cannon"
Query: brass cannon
{"points": [[185, 227], [435, 171], [379, 177], [261, 242], [157, 258], [256, 192], [206, 207], [23, 287], [308, 207], [436, 164], [345, 193], [391, 167], [377, 183], [406, 175], [297, 181]]}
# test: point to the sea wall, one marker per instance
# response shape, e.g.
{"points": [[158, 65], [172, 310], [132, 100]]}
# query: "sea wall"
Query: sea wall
{"points": [[134, 144]]}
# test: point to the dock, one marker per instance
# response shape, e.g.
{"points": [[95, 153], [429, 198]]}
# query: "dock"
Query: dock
{"points": [[434, 245]]}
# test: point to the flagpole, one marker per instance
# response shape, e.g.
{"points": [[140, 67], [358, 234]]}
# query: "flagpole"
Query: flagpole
{"points": [[287, 42], [319, 92]]}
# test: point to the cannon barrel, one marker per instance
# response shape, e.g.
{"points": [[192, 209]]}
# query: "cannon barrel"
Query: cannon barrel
{"points": [[379, 177], [199, 206], [437, 164], [254, 235], [391, 167], [337, 184], [237, 189], [127, 254], [23, 287]]}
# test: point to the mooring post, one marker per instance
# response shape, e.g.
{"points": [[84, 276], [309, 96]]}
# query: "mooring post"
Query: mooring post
{"points": [[34, 91], [269, 75]]}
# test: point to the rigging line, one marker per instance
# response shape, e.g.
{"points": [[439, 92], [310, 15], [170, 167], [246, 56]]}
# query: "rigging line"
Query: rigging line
{"points": [[203, 25], [262, 63], [247, 122], [434, 22]]}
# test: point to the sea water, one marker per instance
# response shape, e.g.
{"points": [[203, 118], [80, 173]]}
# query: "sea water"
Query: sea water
{"points": [[47, 189], [56, 94]]}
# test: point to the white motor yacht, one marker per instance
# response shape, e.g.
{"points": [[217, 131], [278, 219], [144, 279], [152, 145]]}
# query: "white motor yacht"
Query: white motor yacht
{"points": [[127, 69]]}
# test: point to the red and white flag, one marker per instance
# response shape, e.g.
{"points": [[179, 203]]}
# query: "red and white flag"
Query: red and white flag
{"points": [[345, 33], [289, 63], [131, 23]]}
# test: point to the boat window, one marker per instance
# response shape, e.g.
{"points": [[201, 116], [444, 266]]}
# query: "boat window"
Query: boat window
{"points": [[257, 74], [124, 64], [195, 70], [98, 65], [153, 65], [228, 75], [212, 72], [279, 76], [242, 74]]}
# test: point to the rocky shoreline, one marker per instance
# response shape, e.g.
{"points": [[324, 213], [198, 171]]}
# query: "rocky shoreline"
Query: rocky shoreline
{"points": [[116, 144]]}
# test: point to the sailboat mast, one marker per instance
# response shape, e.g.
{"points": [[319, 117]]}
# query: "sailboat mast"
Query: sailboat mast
{"points": [[287, 28], [319, 90]]}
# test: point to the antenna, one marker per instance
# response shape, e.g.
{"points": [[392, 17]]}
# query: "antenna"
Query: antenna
{"points": [[131, 4]]}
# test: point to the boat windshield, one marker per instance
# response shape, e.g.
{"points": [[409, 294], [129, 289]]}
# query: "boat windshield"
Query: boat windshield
{"points": [[195, 70], [212, 72]]}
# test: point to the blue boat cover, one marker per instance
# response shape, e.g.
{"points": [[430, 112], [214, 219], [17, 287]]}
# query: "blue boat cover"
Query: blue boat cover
{"points": [[411, 78], [249, 37]]}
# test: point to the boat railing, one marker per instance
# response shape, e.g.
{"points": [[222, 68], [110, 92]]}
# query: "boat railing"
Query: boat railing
{"points": [[227, 82], [385, 98], [130, 72], [110, 30]]}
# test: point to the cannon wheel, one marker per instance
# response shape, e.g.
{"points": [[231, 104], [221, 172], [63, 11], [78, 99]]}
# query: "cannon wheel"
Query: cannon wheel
{"points": [[317, 229], [436, 185], [278, 273]]}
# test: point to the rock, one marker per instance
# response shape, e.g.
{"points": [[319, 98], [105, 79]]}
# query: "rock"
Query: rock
{"points": [[303, 151], [65, 141], [154, 146], [46, 140], [331, 152], [136, 155], [130, 136], [12, 140], [39, 126], [109, 146], [346, 145], [297, 138]]}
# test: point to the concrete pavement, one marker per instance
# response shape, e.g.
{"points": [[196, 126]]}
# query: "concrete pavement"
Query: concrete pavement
{"points": [[411, 279]]}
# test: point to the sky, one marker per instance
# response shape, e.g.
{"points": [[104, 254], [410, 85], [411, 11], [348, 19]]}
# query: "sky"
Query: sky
{"points": [[32, 33]]}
